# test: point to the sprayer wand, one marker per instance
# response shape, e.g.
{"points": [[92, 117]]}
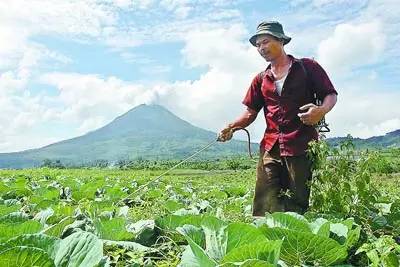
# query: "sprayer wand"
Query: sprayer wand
{"points": [[140, 188]]}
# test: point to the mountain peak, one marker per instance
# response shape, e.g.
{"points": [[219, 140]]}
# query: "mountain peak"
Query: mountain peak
{"points": [[147, 106], [152, 108], [145, 131], [143, 119]]}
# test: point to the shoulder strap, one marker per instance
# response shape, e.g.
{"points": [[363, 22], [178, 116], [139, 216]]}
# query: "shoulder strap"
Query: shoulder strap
{"points": [[322, 126], [315, 97], [303, 67]]}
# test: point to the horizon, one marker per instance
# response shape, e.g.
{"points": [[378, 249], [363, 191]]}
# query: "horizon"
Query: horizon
{"points": [[239, 136], [70, 67]]}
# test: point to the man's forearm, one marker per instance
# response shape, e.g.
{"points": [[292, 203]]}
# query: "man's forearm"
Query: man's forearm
{"points": [[244, 120], [329, 102]]}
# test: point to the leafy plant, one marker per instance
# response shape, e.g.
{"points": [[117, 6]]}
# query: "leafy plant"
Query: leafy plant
{"points": [[383, 251], [78, 249], [320, 243], [216, 242], [342, 180]]}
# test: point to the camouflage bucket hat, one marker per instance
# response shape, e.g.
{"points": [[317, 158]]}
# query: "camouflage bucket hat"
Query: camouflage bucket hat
{"points": [[273, 28]]}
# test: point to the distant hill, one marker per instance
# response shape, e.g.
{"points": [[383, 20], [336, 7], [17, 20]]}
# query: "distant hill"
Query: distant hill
{"points": [[146, 132], [389, 140]]}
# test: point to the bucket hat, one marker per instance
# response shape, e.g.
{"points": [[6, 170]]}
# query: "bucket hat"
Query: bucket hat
{"points": [[273, 28]]}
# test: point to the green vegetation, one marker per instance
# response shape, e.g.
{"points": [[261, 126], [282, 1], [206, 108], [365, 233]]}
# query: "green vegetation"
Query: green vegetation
{"points": [[200, 215]]}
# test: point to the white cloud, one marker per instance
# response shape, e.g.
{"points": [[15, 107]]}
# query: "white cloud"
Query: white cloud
{"points": [[20, 112], [90, 100], [143, 4], [122, 3], [61, 17], [181, 8], [337, 3], [365, 111], [21, 20], [11, 46], [352, 46]]}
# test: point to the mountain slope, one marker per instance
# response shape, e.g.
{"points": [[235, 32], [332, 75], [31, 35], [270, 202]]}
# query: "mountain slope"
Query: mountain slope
{"points": [[146, 131], [389, 140]]}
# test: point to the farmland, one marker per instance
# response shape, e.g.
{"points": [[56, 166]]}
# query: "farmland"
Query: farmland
{"points": [[200, 215]]}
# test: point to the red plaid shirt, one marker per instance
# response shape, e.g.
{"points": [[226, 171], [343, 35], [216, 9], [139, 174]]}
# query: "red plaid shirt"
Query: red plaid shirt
{"points": [[280, 111]]}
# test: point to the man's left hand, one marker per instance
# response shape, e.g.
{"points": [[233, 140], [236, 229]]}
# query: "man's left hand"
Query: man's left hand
{"points": [[313, 115]]}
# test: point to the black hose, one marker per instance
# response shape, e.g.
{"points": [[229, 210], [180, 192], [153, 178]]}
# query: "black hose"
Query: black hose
{"points": [[248, 140]]}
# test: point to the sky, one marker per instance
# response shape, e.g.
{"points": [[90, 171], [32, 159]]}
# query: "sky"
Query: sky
{"points": [[68, 67]]}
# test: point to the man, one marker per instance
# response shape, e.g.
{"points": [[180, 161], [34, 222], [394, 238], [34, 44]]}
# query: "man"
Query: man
{"points": [[285, 90]]}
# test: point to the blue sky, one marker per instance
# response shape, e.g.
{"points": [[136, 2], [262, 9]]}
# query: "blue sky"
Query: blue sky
{"points": [[68, 67]]}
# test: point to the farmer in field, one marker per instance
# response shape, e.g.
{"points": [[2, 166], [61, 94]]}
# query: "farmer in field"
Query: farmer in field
{"points": [[285, 90]]}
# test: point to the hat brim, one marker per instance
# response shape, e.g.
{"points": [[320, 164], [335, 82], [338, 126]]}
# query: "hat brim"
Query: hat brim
{"points": [[284, 38]]}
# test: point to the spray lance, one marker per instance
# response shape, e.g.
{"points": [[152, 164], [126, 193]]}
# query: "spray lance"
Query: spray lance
{"points": [[139, 191]]}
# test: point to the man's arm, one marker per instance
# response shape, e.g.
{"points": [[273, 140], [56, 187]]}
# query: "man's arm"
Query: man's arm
{"points": [[244, 120], [316, 113]]}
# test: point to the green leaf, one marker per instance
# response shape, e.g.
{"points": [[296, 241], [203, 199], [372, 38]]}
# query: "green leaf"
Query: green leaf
{"points": [[373, 256], [394, 215], [352, 237], [143, 231], [4, 209], [79, 249], [43, 215], [172, 205], [216, 239], [379, 222], [22, 256], [57, 229], [240, 234], [188, 259], [390, 260], [288, 220], [171, 222], [8, 231], [248, 263], [267, 251], [46, 243], [192, 233], [321, 227], [306, 248], [113, 229], [341, 231], [211, 242], [14, 217]]}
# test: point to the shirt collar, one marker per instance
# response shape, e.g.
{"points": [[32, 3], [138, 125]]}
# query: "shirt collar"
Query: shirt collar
{"points": [[268, 71]]}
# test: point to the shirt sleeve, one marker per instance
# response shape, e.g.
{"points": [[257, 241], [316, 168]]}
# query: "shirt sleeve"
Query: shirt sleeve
{"points": [[321, 83], [254, 98]]}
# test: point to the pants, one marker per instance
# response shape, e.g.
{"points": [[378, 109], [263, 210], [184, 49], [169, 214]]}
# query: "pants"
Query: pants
{"points": [[283, 183]]}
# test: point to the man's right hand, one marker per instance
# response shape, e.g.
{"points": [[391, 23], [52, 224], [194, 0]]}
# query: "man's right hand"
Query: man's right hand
{"points": [[226, 134]]}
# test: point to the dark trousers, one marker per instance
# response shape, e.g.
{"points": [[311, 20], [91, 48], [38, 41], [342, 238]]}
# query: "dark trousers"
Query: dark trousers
{"points": [[283, 183]]}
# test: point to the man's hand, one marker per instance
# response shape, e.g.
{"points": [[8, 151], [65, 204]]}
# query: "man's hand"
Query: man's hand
{"points": [[248, 116], [225, 134], [313, 115]]}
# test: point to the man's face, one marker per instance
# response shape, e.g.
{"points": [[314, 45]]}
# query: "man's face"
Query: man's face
{"points": [[269, 47]]}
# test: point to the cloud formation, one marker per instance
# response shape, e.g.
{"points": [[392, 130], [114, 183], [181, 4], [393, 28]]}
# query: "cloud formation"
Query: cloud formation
{"points": [[351, 46]]}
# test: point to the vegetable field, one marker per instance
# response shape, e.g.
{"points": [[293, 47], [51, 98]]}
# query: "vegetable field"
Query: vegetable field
{"points": [[88, 217]]}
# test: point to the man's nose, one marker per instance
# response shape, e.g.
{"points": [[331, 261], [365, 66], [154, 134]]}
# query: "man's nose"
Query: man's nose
{"points": [[262, 46]]}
